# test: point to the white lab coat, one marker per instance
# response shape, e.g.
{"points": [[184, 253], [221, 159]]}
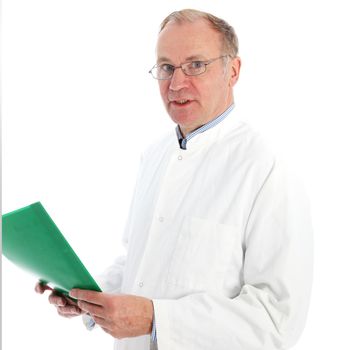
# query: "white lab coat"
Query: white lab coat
{"points": [[219, 237]]}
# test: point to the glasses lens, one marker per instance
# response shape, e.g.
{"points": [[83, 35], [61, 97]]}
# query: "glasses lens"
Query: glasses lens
{"points": [[194, 68], [162, 72], [165, 71]]}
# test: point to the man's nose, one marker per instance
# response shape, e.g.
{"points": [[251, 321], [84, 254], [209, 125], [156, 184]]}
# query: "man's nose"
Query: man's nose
{"points": [[179, 80]]}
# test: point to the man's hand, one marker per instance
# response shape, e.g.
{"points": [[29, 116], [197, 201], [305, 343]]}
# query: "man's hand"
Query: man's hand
{"points": [[119, 315], [65, 306]]}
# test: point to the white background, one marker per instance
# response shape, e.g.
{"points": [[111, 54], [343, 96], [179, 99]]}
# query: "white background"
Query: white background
{"points": [[79, 106]]}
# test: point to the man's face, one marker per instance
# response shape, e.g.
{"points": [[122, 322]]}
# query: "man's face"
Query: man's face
{"points": [[208, 94]]}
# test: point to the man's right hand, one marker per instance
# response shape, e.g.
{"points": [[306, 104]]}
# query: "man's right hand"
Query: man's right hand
{"points": [[65, 307]]}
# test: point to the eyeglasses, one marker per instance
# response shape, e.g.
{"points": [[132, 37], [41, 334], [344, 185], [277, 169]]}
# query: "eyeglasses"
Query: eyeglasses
{"points": [[165, 71]]}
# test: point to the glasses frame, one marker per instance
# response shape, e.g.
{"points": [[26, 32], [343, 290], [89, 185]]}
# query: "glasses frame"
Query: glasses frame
{"points": [[183, 69]]}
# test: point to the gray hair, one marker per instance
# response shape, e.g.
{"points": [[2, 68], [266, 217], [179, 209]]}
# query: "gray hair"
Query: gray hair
{"points": [[229, 37]]}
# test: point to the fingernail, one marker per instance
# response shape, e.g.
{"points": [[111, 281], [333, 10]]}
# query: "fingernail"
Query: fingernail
{"points": [[72, 293]]}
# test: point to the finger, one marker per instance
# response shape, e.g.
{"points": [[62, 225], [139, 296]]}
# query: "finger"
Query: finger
{"points": [[41, 288], [57, 300], [71, 301], [38, 288], [90, 296], [68, 311], [64, 315], [92, 309]]}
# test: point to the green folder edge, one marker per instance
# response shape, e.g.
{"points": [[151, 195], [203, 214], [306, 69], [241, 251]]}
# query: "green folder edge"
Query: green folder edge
{"points": [[33, 242]]}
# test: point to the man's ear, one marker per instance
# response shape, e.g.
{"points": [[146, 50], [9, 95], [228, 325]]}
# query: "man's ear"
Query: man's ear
{"points": [[235, 67]]}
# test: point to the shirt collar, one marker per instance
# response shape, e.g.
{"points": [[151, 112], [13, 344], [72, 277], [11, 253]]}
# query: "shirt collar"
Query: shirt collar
{"points": [[183, 141]]}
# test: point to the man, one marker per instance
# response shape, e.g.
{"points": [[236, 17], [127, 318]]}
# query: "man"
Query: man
{"points": [[219, 252]]}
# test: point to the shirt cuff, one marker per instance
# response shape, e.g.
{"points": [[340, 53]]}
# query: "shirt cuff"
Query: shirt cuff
{"points": [[154, 331], [89, 322]]}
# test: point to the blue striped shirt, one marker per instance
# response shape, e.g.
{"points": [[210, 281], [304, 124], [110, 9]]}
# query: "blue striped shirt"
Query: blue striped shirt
{"points": [[183, 140], [154, 333]]}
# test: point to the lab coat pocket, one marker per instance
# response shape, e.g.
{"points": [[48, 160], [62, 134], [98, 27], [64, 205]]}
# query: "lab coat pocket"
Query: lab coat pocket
{"points": [[202, 255]]}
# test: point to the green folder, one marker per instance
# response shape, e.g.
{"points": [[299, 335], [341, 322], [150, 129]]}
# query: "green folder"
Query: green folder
{"points": [[32, 241]]}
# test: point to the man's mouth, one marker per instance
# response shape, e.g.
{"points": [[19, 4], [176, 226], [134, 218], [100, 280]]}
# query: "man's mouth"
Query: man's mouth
{"points": [[182, 102]]}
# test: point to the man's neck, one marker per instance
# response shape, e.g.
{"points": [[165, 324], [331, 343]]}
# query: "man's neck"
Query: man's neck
{"points": [[185, 130], [212, 123]]}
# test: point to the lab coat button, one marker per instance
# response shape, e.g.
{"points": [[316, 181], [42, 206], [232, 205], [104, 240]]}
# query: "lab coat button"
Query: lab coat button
{"points": [[140, 284], [161, 219], [179, 157]]}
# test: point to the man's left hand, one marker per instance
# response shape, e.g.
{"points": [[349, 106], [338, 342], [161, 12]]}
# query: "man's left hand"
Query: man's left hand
{"points": [[119, 315]]}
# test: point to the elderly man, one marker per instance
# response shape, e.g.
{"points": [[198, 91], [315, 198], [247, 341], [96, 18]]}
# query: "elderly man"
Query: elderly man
{"points": [[219, 243]]}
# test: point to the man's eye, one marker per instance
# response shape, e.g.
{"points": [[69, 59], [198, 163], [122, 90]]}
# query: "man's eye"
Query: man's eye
{"points": [[197, 64], [167, 68]]}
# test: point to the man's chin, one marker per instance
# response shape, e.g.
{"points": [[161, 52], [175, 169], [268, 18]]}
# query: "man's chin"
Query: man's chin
{"points": [[182, 119], [181, 116]]}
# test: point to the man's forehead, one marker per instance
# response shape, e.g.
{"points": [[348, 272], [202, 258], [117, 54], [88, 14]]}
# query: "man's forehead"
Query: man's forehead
{"points": [[197, 57], [187, 41], [186, 30]]}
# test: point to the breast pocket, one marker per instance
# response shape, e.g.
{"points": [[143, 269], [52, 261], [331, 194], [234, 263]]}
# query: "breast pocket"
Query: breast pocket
{"points": [[202, 255]]}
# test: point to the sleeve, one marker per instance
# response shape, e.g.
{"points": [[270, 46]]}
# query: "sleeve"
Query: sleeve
{"points": [[111, 279], [270, 311]]}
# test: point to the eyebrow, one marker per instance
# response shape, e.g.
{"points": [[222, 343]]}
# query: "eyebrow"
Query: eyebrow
{"points": [[188, 59]]}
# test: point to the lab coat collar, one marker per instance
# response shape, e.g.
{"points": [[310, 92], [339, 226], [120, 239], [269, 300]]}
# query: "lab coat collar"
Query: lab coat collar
{"points": [[212, 135]]}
